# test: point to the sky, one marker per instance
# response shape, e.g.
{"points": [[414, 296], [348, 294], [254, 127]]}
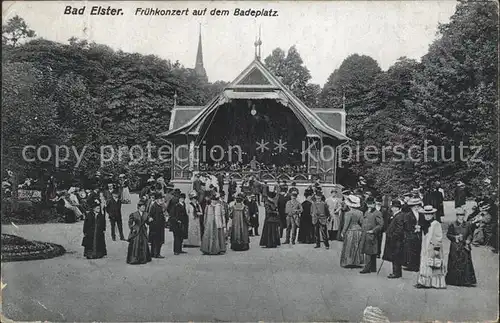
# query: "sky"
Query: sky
{"points": [[325, 33]]}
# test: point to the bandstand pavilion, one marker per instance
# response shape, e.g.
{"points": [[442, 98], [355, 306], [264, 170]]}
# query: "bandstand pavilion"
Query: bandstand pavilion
{"points": [[249, 112]]}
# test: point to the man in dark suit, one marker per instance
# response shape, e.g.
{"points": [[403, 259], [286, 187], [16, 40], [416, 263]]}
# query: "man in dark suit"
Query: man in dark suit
{"points": [[394, 240], [114, 210], [383, 204], [371, 226], [179, 222], [253, 212], [157, 226], [108, 194], [435, 198], [320, 215]]}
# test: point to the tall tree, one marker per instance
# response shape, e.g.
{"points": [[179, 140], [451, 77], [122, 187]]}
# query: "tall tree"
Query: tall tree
{"points": [[291, 71], [16, 30], [354, 79], [456, 94]]}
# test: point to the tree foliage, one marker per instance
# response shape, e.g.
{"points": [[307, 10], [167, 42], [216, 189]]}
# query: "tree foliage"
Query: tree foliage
{"points": [[87, 95], [290, 69], [16, 30], [448, 99]]}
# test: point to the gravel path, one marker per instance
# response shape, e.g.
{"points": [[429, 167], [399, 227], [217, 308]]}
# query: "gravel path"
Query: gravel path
{"points": [[291, 283]]}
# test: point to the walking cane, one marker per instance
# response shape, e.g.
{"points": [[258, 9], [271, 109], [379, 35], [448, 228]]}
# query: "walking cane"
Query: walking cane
{"points": [[380, 266]]}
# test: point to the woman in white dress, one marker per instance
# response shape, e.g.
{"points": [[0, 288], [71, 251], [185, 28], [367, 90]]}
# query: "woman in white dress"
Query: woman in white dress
{"points": [[432, 268], [124, 185], [194, 211]]}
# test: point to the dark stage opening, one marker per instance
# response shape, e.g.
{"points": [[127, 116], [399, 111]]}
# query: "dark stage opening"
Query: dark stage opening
{"points": [[235, 124]]}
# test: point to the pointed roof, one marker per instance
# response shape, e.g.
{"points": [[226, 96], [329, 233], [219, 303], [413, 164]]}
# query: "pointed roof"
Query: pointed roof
{"points": [[257, 82], [198, 66]]}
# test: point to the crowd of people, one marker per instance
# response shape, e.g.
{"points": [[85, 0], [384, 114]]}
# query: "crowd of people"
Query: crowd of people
{"points": [[207, 219], [254, 166]]}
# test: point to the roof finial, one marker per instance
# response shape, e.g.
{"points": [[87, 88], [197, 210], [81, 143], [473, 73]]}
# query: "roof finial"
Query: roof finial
{"points": [[258, 43]]}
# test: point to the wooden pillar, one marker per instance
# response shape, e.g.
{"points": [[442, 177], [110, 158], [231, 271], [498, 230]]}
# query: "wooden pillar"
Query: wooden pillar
{"points": [[191, 155]]}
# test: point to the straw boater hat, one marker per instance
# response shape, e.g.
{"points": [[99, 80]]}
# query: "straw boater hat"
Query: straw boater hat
{"points": [[353, 201], [193, 194], [414, 201], [460, 183], [121, 175], [460, 211], [141, 202], [428, 209]]}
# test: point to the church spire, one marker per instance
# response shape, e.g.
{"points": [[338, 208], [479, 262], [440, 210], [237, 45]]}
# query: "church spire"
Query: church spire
{"points": [[198, 67]]}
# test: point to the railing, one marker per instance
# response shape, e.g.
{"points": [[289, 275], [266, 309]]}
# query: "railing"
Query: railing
{"points": [[270, 176]]}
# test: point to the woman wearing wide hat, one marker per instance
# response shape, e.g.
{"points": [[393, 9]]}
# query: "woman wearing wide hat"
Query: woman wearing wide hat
{"points": [[194, 212], [432, 269], [460, 267], [352, 255], [138, 249], [94, 242]]}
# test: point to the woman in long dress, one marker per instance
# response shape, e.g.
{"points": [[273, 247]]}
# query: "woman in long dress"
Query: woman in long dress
{"points": [[270, 237], [126, 199], [306, 230], [460, 267], [210, 244], [351, 255], [432, 269], [194, 212], [221, 223], [238, 213], [94, 242], [138, 249]]}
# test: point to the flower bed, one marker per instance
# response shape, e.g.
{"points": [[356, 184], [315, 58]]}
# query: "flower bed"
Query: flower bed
{"points": [[15, 248]]}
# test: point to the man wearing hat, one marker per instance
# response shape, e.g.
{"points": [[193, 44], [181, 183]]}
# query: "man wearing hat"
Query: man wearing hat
{"points": [[253, 212], [413, 234], [94, 225], [371, 225], [460, 194], [435, 198], [179, 222], [198, 186], [394, 240], [481, 221], [320, 215], [293, 210], [156, 225], [114, 210]]}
